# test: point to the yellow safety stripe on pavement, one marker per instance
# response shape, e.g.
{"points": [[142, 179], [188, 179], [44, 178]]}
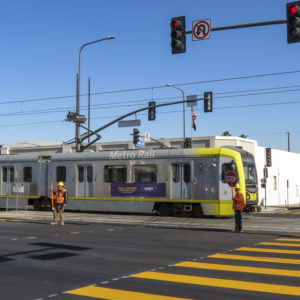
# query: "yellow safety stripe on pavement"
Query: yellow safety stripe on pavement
{"points": [[257, 258], [285, 212], [222, 283], [10, 220], [296, 213], [288, 240], [268, 250], [243, 269], [113, 294], [280, 244]]}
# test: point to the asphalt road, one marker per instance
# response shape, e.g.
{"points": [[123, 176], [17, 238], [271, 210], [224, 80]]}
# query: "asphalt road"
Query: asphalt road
{"points": [[132, 258]]}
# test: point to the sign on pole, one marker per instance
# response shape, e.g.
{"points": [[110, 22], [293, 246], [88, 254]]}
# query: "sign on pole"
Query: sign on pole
{"points": [[191, 97], [201, 30], [18, 188], [147, 137]]}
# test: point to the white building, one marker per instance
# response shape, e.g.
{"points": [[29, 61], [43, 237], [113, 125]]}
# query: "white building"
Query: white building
{"points": [[283, 182]]}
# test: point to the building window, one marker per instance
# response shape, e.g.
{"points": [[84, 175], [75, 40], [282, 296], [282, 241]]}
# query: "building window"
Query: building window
{"points": [[115, 173], [27, 174], [275, 183], [61, 173]]}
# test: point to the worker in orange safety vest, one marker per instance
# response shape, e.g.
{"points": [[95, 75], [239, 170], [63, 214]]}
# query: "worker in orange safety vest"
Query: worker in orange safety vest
{"points": [[61, 198], [238, 205]]}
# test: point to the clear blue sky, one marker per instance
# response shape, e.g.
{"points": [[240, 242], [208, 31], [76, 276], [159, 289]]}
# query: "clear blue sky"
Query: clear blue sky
{"points": [[40, 42]]}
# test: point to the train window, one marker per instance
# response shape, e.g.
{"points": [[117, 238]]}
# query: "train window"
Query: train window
{"points": [[115, 173], [80, 173], [61, 173], [4, 174], [175, 173], [27, 174], [145, 173], [89, 175], [225, 168], [187, 172], [12, 174]]}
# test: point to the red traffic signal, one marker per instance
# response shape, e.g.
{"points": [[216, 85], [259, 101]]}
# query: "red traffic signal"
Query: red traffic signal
{"points": [[178, 41], [293, 22]]}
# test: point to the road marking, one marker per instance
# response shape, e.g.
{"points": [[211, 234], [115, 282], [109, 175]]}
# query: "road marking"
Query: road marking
{"points": [[223, 283], [75, 232], [280, 244], [257, 258], [268, 250], [113, 294], [284, 212], [243, 269], [289, 240], [31, 237], [296, 213], [10, 220]]}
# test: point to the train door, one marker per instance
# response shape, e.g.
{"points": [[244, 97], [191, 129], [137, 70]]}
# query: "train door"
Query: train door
{"points": [[181, 185], [84, 180], [8, 178]]}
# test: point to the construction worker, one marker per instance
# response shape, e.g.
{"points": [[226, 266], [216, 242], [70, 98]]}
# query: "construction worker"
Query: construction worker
{"points": [[238, 205], [60, 200]]}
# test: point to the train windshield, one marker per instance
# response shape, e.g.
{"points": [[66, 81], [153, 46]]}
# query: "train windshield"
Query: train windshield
{"points": [[250, 172]]}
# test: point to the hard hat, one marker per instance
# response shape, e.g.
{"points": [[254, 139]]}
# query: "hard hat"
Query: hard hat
{"points": [[60, 183], [237, 186]]}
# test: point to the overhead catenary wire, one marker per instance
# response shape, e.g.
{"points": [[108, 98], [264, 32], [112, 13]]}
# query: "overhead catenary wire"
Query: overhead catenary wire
{"points": [[155, 87]]}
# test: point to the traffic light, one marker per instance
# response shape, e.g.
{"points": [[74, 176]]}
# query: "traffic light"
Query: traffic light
{"points": [[151, 111], [178, 42], [136, 136], [268, 157], [187, 143], [208, 102], [293, 22]]}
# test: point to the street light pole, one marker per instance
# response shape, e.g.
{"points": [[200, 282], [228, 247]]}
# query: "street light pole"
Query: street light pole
{"points": [[77, 131], [175, 87], [288, 133]]}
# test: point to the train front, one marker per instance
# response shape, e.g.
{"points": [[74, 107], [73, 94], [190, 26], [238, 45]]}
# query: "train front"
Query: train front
{"points": [[251, 182]]}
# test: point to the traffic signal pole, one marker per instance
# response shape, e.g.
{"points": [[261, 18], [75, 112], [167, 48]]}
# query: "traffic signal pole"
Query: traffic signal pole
{"points": [[87, 135], [265, 23]]}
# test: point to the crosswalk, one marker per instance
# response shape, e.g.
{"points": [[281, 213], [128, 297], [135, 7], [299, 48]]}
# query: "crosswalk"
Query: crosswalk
{"points": [[271, 267]]}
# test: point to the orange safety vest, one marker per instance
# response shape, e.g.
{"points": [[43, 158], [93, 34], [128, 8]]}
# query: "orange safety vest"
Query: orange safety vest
{"points": [[60, 196], [238, 201]]}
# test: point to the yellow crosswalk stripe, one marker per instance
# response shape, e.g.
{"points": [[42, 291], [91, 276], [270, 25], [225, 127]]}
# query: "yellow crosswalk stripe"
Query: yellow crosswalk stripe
{"points": [[280, 244], [114, 294], [268, 250], [288, 240], [243, 269], [223, 283], [257, 258]]}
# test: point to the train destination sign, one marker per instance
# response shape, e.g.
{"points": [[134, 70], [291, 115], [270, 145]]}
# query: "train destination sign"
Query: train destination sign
{"points": [[231, 178]]}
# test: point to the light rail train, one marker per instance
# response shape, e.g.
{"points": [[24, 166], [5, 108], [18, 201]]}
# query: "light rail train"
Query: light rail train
{"points": [[167, 181]]}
